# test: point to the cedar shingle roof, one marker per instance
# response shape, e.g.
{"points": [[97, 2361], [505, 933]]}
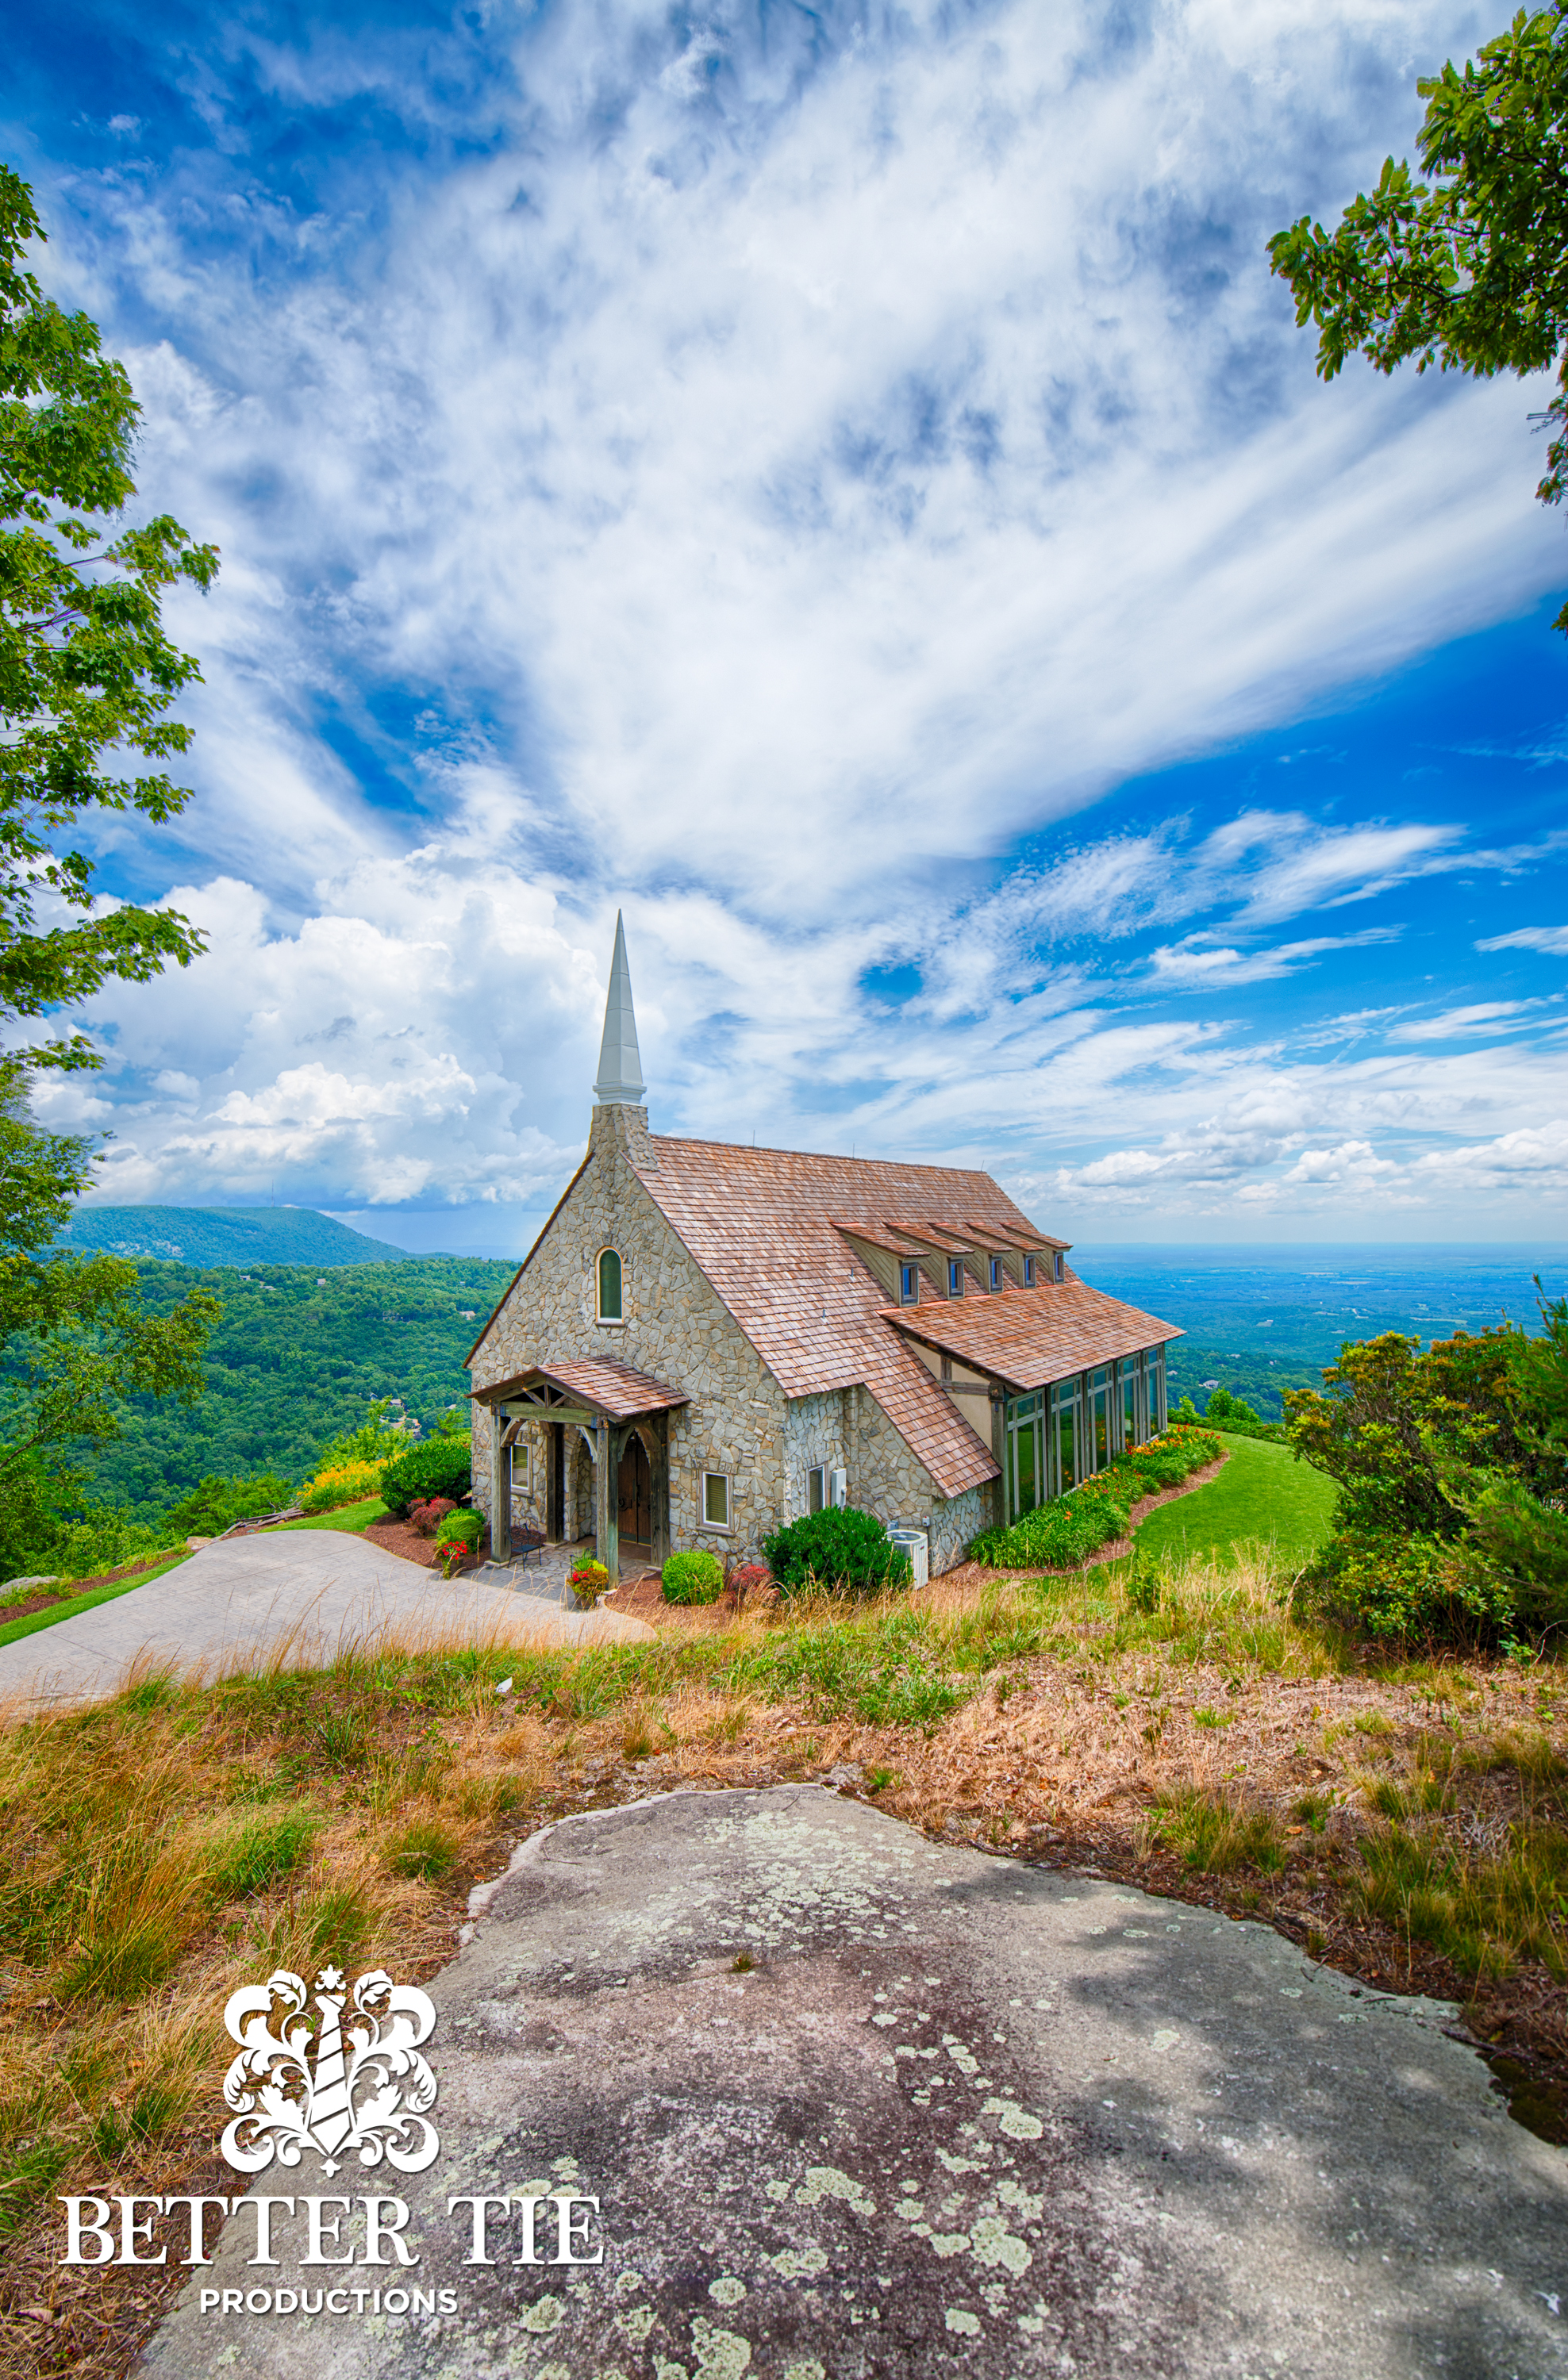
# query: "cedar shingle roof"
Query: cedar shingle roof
{"points": [[599, 1380], [764, 1224], [1029, 1336]]}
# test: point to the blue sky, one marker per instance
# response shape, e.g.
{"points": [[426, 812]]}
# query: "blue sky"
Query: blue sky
{"points": [[841, 486]]}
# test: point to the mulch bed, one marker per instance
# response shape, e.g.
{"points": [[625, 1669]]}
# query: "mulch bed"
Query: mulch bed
{"points": [[401, 1538], [73, 1587]]}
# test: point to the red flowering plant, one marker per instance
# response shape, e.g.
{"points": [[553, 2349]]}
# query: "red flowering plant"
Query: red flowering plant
{"points": [[425, 1519]]}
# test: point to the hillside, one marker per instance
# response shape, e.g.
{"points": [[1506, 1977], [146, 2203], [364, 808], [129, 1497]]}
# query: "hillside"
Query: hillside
{"points": [[296, 1358], [226, 1235]]}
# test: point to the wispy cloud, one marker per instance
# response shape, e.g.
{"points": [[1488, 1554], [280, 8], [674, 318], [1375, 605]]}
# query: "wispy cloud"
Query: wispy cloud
{"points": [[1553, 940], [779, 474]]}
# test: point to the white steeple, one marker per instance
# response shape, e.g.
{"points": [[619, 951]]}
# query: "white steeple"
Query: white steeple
{"points": [[619, 1082]]}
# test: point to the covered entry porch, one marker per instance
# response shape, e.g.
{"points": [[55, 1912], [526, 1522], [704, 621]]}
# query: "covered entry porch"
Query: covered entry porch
{"points": [[622, 1418]]}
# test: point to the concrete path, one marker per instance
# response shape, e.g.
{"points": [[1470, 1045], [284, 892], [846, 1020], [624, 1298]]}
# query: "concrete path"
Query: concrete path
{"points": [[960, 2116], [241, 1599]]}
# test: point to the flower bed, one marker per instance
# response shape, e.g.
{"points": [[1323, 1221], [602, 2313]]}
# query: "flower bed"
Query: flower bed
{"points": [[1064, 1533]]}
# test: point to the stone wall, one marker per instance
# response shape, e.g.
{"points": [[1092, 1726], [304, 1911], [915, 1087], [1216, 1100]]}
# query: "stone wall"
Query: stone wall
{"points": [[675, 1328]]}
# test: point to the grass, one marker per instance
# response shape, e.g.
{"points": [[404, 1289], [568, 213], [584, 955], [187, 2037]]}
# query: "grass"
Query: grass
{"points": [[349, 1517], [15, 1629], [1262, 1497], [1173, 1725]]}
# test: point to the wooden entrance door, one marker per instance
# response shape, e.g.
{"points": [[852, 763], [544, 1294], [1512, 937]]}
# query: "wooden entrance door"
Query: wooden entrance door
{"points": [[636, 1495]]}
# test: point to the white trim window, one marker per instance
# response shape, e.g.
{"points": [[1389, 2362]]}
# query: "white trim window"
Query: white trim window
{"points": [[817, 1489], [609, 1287], [718, 1504]]}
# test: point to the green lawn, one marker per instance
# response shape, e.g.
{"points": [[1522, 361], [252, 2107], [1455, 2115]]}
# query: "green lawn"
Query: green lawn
{"points": [[13, 1630], [1263, 1492], [352, 1517]]}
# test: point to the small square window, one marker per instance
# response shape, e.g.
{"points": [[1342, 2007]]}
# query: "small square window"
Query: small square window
{"points": [[996, 1272], [908, 1284], [955, 1276], [715, 1500], [1028, 1273]]}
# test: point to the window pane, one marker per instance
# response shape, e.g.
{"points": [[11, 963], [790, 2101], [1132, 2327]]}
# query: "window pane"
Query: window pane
{"points": [[716, 1498], [610, 1286], [814, 1494], [908, 1291]]}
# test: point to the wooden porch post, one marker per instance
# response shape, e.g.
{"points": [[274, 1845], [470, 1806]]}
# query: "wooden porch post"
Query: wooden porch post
{"points": [[999, 1451], [659, 1521], [606, 1515], [500, 1488]]}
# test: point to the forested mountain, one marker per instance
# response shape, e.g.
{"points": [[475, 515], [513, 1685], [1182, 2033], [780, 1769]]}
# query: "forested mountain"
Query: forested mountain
{"points": [[296, 1358], [226, 1235]]}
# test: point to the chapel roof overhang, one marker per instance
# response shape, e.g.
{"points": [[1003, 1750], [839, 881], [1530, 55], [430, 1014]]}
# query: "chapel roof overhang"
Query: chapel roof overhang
{"points": [[1025, 1338], [594, 1380]]}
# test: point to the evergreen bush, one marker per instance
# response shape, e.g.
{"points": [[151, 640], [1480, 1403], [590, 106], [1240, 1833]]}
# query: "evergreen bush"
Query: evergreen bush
{"points": [[692, 1577], [439, 1468], [841, 1547]]}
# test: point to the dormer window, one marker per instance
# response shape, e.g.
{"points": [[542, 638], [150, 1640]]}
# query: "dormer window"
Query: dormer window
{"points": [[955, 1276], [1028, 1273], [610, 1286], [908, 1284], [1059, 1267], [995, 1272]]}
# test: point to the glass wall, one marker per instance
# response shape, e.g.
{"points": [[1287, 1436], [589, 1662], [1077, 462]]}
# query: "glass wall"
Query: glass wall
{"points": [[1059, 1436]]}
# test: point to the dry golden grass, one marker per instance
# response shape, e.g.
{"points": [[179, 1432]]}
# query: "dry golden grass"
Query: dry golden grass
{"points": [[166, 1846]]}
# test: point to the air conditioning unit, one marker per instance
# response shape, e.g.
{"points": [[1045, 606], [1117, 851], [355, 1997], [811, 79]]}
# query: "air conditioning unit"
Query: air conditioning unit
{"points": [[916, 1544], [838, 1486]]}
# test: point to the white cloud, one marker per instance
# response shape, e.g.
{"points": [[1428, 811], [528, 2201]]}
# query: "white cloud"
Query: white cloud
{"points": [[1481, 1018], [1553, 940], [767, 487]]}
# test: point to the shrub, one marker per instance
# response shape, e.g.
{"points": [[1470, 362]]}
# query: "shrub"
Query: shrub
{"points": [[750, 1576], [342, 1483], [1409, 1587], [462, 1527], [694, 1577], [841, 1547], [427, 1518], [1057, 1535], [588, 1582], [439, 1468]]}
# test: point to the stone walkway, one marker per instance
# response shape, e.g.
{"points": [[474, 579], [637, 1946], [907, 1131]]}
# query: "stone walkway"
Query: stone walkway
{"points": [[860, 2107], [298, 1595]]}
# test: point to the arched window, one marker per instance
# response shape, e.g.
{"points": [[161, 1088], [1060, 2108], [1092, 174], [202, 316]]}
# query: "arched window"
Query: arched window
{"points": [[609, 1286]]}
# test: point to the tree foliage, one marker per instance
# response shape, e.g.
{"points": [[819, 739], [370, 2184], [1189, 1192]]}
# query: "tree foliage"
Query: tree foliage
{"points": [[87, 680], [1467, 269], [1451, 1465]]}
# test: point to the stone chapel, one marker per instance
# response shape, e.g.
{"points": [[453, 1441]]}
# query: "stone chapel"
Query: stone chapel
{"points": [[706, 1341]]}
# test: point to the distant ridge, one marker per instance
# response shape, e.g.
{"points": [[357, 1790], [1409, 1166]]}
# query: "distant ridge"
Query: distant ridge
{"points": [[226, 1235]]}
